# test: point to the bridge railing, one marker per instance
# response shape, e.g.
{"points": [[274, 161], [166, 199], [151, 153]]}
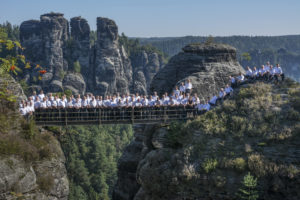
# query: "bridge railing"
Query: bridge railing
{"points": [[73, 116]]}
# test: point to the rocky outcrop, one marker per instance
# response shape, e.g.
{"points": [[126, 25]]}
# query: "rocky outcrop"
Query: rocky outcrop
{"points": [[112, 69], [145, 66], [105, 67], [204, 159], [127, 186], [80, 46], [31, 167], [20, 179], [12, 87], [74, 82], [207, 66]]}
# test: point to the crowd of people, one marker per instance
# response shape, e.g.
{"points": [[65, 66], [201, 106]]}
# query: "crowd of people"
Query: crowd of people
{"points": [[182, 95]]}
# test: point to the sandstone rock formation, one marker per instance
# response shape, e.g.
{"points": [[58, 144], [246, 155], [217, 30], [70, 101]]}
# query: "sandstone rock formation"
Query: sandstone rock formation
{"points": [[105, 66], [207, 66], [79, 48], [145, 66], [45, 43], [40, 172], [205, 159], [113, 72], [127, 186]]}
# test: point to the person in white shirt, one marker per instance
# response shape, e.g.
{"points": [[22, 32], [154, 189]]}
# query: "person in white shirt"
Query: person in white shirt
{"points": [[213, 100], [176, 91], [182, 88], [37, 103], [232, 81], [145, 101], [248, 73], [93, 102], [200, 108], [240, 78], [99, 101], [206, 106], [228, 90], [50, 97], [84, 102], [267, 67], [33, 96], [41, 95], [23, 109], [43, 103], [255, 73], [48, 103], [279, 72], [222, 94], [262, 72], [188, 86], [196, 99], [70, 103]]}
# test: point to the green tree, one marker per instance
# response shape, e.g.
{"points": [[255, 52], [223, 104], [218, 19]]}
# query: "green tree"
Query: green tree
{"points": [[248, 190], [209, 40], [246, 56]]}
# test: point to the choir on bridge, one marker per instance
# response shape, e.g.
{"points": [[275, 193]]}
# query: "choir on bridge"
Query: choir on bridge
{"points": [[181, 96]]}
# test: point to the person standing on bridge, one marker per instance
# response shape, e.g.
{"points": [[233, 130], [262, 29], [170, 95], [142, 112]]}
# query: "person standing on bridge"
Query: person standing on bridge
{"points": [[188, 86]]}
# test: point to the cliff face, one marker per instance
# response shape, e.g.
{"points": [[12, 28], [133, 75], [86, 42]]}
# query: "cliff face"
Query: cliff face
{"points": [[207, 66], [207, 158], [105, 68], [32, 164], [145, 66], [113, 72]]}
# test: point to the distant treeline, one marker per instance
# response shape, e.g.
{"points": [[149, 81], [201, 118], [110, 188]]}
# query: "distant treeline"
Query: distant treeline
{"points": [[173, 45]]}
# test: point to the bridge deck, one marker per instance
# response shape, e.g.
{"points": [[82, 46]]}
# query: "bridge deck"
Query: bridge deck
{"points": [[98, 116]]}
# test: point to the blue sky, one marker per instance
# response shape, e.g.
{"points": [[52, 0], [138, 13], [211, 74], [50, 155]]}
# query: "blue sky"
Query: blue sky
{"points": [[150, 18]]}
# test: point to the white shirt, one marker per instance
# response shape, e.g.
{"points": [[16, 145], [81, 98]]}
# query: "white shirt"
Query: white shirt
{"points": [[213, 99], [182, 88], [99, 103], [23, 111], [188, 86], [177, 92], [221, 94], [278, 70], [267, 68], [43, 104], [62, 104], [228, 90], [206, 107], [232, 80], [241, 77], [93, 103], [41, 96], [37, 104], [70, 104], [48, 103], [200, 106], [84, 103], [249, 72]]}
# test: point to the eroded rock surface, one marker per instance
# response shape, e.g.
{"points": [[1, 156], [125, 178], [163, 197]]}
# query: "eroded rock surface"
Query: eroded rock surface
{"points": [[207, 66]]}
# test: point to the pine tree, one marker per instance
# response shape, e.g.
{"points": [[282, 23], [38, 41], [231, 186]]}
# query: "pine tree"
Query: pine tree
{"points": [[248, 190]]}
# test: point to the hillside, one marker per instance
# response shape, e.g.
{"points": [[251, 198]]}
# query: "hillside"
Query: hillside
{"points": [[257, 131], [276, 49]]}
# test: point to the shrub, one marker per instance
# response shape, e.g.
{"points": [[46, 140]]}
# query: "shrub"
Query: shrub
{"points": [[76, 67], [175, 136], [45, 182], [209, 164], [239, 164], [29, 129]]}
